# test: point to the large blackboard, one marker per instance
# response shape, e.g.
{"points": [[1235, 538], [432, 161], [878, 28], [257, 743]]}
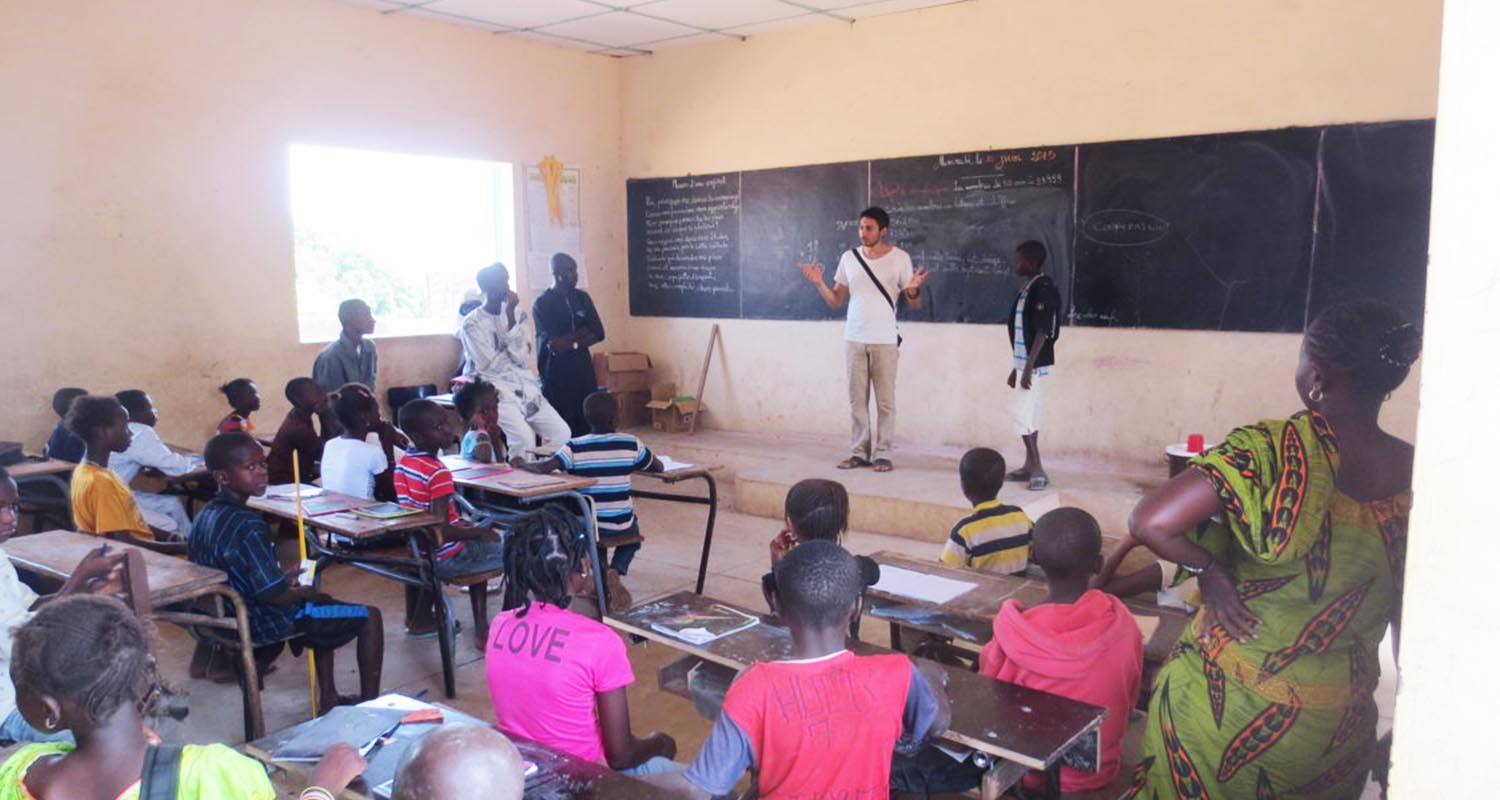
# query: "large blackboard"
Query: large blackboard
{"points": [[1251, 231]]}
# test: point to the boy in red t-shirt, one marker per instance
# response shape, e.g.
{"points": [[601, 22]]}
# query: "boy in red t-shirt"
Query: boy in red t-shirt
{"points": [[1080, 643], [825, 722]]}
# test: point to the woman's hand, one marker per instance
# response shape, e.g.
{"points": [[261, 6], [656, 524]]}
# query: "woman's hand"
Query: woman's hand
{"points": [[1222, 604]]}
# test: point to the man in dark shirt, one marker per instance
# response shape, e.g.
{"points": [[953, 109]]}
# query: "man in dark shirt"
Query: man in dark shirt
{"points": [[1034, 325], [566, 326]]}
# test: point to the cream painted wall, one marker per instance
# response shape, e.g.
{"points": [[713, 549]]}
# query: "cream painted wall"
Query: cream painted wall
{"points": [[145, 236], [988, 74]]}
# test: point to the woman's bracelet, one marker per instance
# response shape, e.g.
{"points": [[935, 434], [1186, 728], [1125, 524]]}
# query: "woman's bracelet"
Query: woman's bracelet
{"points": [[315, 793]]}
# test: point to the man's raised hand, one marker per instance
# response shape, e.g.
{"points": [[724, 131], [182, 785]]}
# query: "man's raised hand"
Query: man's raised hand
{"points": [[918, 278], [812, 272]]}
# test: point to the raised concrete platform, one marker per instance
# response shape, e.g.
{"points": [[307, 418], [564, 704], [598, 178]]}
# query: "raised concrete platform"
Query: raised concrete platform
{"points": [[920, 499]]}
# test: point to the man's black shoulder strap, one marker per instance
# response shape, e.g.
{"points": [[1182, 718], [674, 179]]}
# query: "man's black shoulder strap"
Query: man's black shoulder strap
{"points": [[159, 773], [878, 285]]}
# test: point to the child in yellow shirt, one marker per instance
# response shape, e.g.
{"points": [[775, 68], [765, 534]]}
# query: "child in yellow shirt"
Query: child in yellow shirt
{"points": [[102, 504]]}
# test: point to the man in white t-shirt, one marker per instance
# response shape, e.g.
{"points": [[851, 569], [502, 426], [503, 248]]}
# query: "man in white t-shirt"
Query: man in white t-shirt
{"points": [[870, 337]]}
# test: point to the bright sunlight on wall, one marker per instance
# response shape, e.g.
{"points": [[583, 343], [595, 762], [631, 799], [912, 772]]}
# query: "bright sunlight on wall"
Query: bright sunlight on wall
{"points": [[404, 233]]}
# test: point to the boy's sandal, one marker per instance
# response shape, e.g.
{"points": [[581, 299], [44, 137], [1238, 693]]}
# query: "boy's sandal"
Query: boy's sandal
{"points": [[1018, 475], [1038, 483], [884, 465], [853, 462]]}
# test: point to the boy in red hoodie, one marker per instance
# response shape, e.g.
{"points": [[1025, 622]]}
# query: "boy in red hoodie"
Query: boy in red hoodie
{"points": [[1079, 643]]}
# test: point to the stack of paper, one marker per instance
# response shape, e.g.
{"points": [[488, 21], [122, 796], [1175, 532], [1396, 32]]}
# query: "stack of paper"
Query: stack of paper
{"points": [[916, 585]]}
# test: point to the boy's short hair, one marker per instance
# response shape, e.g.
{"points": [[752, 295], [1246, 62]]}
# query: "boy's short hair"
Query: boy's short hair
{"points": [[817, 584], [63, 398], [351, 403], [349, 308], [1033, 250], [134, 400], [90, 412], [1066, 543], [599, 409], [295, 386], [228, 449], [878, 215], [466, 399], [981, 472], [416, 412], [235, 387]]}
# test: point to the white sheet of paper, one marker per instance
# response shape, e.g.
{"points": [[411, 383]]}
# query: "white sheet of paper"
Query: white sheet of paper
{"points": [[919, 585], [290, 490], [669, 464], [401, 701]]}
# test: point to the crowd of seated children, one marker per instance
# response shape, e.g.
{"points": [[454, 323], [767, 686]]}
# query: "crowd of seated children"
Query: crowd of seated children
{"points": [[478, 404], [102, 504], [1079, 643], [609, 457], [450, 762], [556, 676], [423, 482], [229, 536], [994, 537], [351, 463], [825, 722], [244, 399], [298, 435], [62, 444], [83, 666], [147, 451], [817, 509]]}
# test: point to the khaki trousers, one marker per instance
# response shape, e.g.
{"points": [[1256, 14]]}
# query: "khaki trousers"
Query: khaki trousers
{"points": [[871, 366]]}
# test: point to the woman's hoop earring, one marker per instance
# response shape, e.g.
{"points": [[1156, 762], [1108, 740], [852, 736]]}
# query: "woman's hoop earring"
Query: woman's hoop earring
{"points": [[1316, 395]]}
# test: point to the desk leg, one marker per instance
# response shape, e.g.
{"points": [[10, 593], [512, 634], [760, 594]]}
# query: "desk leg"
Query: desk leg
{"points": [[255, 720], [586, 509], [708, 530], [1053, 777], [446, 633]]}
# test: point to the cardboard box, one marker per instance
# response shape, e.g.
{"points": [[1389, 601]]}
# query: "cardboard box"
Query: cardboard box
{"points": [[671, 412], [622, 372], [633, 411]]}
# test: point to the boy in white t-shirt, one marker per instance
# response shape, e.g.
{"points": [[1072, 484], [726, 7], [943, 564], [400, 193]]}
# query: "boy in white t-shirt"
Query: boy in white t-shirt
{"points": [[350, 462], [870, 336], [162, 511]]}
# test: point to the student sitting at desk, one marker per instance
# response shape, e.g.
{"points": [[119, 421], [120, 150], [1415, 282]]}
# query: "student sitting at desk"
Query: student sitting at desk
{"points": [[229, 536], [148, 451], [478, 403], [62, 444], [102, 504], [298, 433], [817, 509], [609, 457], [450, 762], [83, 665], [825, 722], [1080, 643], [994, 537], [17, 602], [351, 463], [244, 400], [550, 669]]}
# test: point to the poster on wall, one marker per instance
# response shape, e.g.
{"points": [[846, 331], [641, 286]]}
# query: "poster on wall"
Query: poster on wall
{"points": [[552, 221]]}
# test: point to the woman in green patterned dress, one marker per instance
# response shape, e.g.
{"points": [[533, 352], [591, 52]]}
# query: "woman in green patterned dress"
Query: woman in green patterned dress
{"points": [[1296, 529]]}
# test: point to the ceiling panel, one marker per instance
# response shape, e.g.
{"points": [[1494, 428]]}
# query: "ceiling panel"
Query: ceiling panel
{"points": [[619, 29], [881, 7], [517, 13], [717, 14]]}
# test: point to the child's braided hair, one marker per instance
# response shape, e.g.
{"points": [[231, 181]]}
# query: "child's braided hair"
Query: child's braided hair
{"points": [[545, 549]]}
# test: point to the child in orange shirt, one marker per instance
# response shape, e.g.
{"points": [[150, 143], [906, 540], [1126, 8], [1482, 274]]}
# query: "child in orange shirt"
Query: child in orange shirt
{"points": [[102, 504]]}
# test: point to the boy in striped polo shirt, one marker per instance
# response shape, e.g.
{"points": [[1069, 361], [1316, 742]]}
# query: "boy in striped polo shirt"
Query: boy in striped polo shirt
{"points": [[608, 457], [995, 537]]}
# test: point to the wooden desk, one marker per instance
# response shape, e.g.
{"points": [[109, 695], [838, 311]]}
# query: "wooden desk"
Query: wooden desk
{"points": [[559, 774], [669, 477], [36, 469], [171, 582], [1025, 727], [419, 569], [975, 609], [49, 472]]}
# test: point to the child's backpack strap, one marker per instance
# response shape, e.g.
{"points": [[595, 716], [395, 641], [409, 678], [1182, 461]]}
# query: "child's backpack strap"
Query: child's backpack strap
{"points": [[159, 773]]}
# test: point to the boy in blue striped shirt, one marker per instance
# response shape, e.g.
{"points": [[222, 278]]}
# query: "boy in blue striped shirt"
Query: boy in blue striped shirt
{"points": [[609, 457]]}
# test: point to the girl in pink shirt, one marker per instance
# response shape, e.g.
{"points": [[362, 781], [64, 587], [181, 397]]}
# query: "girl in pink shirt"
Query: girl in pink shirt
{"points": [[555, 676]]}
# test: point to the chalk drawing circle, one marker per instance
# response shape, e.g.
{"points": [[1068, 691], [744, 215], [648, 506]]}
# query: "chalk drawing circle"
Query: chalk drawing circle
{"points": [[1124, 227]]}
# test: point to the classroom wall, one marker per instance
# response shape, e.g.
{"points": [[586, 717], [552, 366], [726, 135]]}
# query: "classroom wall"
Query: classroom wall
{"points": [[145, 237], [993, 74]]}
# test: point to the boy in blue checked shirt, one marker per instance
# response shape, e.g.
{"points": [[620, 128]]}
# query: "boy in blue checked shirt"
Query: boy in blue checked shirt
{"points": [[609, 457], [227, 535]]}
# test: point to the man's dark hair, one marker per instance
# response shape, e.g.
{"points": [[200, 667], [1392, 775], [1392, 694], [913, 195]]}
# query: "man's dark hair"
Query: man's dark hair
{"points": [[89, 650], [600, 410], [981, 473], [134, 400], [352, 403], [491, 274], [90, 413], [349, 308], [877, 215], [466, 399], [416, 413], [1369, 341], [236, 389], [1033, 250], [544, 549], [817, 584], [818, 509], [1066, 543], [295, 387], [229, 449], [64, 397]]}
